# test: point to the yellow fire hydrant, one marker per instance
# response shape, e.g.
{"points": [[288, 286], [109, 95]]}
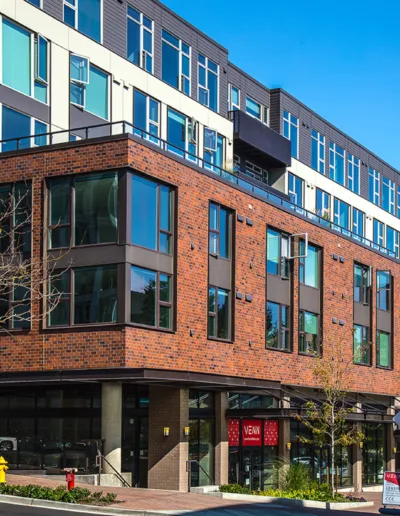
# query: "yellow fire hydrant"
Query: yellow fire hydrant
{"points": [[3, 469]]}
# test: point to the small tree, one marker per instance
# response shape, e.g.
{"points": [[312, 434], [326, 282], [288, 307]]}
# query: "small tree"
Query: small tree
{"points": [[327, 419], [26, 278]]}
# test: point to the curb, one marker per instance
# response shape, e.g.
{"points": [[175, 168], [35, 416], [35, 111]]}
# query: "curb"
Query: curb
{"points": [[89, 509]]}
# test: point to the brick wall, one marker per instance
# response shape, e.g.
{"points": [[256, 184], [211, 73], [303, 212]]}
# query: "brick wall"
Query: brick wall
{"points": [[134, 347]]}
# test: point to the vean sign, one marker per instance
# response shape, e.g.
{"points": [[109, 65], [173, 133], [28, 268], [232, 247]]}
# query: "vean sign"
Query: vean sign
{"points": [[251, 433], [391, 488]]}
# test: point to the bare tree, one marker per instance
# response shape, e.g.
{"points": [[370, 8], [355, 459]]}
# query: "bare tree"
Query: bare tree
{"points": [[328, 419], [26, 278]]}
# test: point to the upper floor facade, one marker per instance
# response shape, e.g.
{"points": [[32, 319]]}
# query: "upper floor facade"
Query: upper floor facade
{"points": [[89, 62]]}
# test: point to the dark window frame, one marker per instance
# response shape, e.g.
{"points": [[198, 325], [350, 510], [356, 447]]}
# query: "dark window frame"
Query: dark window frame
{"points": [[366, 284], [215, 314], [388, 291], [302, 266], [366, 344], [301, 332], [159, 303], [390, 334], [218, 231], [284, 267], [281, 330]]}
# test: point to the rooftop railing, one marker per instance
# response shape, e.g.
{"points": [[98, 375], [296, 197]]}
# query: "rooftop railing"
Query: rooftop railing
{"points": [[235, 177]]}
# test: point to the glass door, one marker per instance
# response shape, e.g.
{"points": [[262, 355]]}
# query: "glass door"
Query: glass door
{"points": [[252, 468], [135, 449], [201, 449]]}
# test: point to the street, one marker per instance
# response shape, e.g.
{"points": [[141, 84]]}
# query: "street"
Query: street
{"points": [[8, 509]]}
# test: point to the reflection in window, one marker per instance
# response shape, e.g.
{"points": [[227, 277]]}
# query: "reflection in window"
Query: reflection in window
{"points": [[383, 349], [95, 291], [175, 62], [374, 186], [182, 135], [323, 203], [220, 231], [392, 240], [60, 298], [151, 215], [146, 117], [219, 313], [388, 195], [208, 78], [383, 290], [234, 98], [318, 151], [358, 222], [309, 265], [361, 347], [379, 233], [353, 173], [336, 163], [362, 284], [85, 16], [23, 131], [308, 333], [151, 298], [140, 39], [374, 453], [253, 108], [278, 326], [296, 190], [291, 132], [277, 253], [214, 146], [342, 214]]}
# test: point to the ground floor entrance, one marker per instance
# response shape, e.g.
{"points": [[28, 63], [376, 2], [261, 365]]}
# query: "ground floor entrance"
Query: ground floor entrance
{"points": [[171, 436]]}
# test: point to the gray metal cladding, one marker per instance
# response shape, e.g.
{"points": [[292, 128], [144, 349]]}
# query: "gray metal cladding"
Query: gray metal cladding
{"points": [[54, 8], [248, 87], [115, 27]]}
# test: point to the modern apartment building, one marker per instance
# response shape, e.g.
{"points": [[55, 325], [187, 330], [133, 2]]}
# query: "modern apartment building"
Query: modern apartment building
{"points": [[174, 185]]}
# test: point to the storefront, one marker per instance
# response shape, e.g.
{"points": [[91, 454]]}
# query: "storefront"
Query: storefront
{"points": [[374, 453]]}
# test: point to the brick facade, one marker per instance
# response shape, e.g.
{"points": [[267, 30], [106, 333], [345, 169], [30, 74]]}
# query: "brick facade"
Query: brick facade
{"points": [[138, 348]]}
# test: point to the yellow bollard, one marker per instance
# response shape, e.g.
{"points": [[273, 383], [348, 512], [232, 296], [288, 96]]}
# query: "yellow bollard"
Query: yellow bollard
{"points": [[3, 469]]}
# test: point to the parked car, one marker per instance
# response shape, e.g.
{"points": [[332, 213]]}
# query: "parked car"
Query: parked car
{"points": [[8, 444]]}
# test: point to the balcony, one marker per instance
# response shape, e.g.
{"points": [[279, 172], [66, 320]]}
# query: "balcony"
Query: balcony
{"points": [[259, 142], [239, 178]]}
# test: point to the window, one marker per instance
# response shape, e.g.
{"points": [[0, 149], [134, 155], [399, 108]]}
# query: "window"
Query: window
{"points": [[30, 51], [35, 2], [176, 62], [253, 108], [89, 86], [151, 298], [308, 333], [296, 190], [140, 39], [374, 186], [60, 299], [362, 284], [182, 135], [291, 132], [383, 349], [309, 266], [151, 215], [361, 346], [318, 151], [16, 214], [341, 214], [146, 117], [277, 253], [278, 327], [23, 131], [219, 313], [85, 16], [336, 163], [358, 222], [208, 79], [234, 98], [323, 204], [379, 233], [220, 231], [94, 217], [95, 294], [387, 195], [392, 240], [214, 147], [383, 290], [353, 173], [398, 201]]}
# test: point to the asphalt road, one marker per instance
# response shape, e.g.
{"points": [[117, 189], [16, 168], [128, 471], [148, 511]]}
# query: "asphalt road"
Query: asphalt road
{"points": [[8, 509]]}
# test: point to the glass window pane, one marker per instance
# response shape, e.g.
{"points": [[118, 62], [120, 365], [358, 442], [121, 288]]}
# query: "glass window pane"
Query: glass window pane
{"points": [[213, 243], [40, 130], [166, 208], [40, 91], [211, 326], [176, 131], [79, 68], [60, 288], [213, 89], [165, 317], [214, 216], [133, 41], [165, 243], [96, 209], [165, 288], [59, 212], [311, 268], [140, 110], [253, 108], [223, 314], [77, 94], [143, 296], [69, 16], [224, 236], [95, 295], [273, 251], [97, 93], [272, 324], [42, 55], [170, 65], [169, 37], [144, 213], [15, 125], [310, 323], [16, 57], [211, 300], [89, 17], [384, 349]]}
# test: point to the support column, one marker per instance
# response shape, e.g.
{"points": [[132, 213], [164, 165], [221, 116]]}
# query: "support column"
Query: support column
{"points": [[221, 439], [390, 457], [168, 408], [357, 464], [111, 425], [284, 438]]}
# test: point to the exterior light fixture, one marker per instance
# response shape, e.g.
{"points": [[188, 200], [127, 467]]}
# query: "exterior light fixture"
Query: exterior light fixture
{"points": [[186, 431], [288, 446], [394, 449], [166, 431], [361, 445]]}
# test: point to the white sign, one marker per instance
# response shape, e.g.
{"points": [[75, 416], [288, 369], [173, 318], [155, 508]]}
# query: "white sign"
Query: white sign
{"points": [[396, 418], [391, 488]]}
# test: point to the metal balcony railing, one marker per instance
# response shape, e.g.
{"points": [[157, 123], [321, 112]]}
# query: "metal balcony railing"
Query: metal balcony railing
{"points": [[258, 187]]}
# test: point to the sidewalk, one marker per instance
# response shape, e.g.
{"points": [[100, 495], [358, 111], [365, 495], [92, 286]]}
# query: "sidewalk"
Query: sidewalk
{"points": [[160, 500]]}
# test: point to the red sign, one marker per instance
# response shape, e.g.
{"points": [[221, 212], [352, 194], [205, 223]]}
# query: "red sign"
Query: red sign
{"points": [[393, 478], [251, 432], [271, 433], [233, 432]]}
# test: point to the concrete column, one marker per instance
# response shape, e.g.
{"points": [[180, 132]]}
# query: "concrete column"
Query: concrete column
{"points": [[284, 438], [111, 425], [221, 438], [357, 464], [390, 457], [168, 407]]}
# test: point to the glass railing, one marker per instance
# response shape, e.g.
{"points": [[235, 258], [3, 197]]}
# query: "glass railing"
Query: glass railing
{"points": [[235, 177]]}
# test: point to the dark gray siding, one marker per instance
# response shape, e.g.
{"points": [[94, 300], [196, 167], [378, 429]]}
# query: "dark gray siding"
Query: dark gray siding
{"points": [[309, 120], [23, 103], [54, 8], [114, 27], [248, 86]]}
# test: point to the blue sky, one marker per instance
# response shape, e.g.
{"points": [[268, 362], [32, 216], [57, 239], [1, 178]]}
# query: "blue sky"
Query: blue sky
{"points": [[341, 58]]}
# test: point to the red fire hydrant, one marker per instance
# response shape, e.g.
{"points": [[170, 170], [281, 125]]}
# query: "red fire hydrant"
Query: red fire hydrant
{"points": [[70, 477]]}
